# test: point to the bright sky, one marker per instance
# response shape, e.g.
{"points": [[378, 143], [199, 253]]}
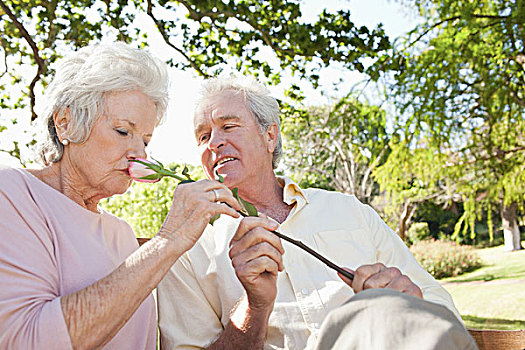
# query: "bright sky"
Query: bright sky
{"points": [[173, 141]]}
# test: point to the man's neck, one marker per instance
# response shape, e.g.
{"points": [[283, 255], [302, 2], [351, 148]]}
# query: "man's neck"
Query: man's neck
{"points": [[268, 199]]}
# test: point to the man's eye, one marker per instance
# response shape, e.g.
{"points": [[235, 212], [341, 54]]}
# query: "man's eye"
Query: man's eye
{"points": [[203, 138], [122, 132]]}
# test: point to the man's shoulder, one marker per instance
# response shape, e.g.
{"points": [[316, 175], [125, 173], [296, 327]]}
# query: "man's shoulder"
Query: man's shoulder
{"points": [[313, 193]]}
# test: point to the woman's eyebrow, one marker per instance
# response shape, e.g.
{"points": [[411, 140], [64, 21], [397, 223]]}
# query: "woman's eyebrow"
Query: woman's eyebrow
{"points": [[132, 125]]}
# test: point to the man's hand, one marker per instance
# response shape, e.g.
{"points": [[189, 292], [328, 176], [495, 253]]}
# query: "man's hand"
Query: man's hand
{"points": [[256, 255], [379, 276]]}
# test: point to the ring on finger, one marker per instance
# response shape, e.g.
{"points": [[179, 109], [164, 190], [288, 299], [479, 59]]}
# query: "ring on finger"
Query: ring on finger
{"points": [[216, 192]]}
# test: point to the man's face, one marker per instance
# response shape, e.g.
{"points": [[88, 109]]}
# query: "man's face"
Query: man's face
{"points": [[230, 141]]}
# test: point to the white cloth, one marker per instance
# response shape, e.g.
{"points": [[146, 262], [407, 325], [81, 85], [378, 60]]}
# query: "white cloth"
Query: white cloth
{"points": [[198, 293]]}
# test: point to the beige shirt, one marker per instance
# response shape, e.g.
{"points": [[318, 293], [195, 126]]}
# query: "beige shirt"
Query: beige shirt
{"points": [[198, 293], [49, 247]]}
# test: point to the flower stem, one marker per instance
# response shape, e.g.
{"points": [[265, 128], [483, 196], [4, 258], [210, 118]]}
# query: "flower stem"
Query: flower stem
{"points": [[312, 252]]}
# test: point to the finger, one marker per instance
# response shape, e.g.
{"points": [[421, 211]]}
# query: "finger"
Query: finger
{"points": [[382, 278], [363, 273], [221, 208], [240, 257], [223, 194], [205, 189], [405, 285], [255, 236], [346, 279], [256, 267], [249, 223]]}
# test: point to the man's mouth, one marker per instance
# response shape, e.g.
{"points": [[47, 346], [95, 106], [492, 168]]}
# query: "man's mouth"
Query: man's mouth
{"points": [[223, 161]]}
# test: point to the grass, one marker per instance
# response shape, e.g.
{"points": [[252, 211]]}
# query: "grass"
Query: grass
{"points": [[497, 265], [492, 296], [492, 323]]}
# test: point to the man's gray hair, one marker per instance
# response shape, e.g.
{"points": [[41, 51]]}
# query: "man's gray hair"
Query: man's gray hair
{"points": [[258, 100], [84, 79]]}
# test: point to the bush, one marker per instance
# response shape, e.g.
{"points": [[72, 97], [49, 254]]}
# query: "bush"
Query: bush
{"points": [[445, 258], [418, 231]]}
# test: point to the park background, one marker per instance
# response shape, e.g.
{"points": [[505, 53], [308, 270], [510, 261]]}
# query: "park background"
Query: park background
{"points": [[415, 107]]}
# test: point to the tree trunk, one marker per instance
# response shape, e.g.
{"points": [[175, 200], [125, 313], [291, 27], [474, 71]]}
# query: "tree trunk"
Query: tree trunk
{"points": [[404, 221], [511, 230]]}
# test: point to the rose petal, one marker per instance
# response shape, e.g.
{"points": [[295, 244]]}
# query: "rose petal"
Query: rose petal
{"points": [[142, 173]]}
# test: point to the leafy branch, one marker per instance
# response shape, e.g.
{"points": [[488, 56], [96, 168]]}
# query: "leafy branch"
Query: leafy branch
{"points": [[41, 66]]}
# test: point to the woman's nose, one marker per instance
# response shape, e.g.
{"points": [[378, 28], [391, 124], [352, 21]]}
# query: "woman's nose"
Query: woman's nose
{"points": [[138, 150]]}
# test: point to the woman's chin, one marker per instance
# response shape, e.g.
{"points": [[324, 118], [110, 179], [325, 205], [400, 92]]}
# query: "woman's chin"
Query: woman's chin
{"points": [[120, 188]]}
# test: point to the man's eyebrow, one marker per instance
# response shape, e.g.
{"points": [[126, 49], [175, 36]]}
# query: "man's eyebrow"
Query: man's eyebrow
{"points": [[228, 117], [223, 118]]}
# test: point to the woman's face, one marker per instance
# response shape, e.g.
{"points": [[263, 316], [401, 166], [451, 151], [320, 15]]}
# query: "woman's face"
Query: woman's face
{"points": [[100, 164]]}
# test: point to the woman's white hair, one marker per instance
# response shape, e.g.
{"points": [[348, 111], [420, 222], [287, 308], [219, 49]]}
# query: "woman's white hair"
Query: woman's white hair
{"points": [[259, 102], [83, 80]]}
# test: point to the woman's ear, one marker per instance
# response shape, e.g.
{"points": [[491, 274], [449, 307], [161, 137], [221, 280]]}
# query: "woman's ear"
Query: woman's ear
{"points": [[271, 135], [62, 120]]}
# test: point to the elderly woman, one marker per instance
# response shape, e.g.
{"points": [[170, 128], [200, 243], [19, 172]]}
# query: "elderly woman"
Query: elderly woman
{"points": [[72, 275]]}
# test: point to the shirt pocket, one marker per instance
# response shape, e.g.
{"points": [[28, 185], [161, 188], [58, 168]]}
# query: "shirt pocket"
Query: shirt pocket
{"points": [[346, 248]]}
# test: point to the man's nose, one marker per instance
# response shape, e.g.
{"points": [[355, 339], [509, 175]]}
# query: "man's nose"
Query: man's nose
{"points": [[217, 140]]}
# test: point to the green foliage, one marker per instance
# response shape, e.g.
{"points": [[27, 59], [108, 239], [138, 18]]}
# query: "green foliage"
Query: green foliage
{"points": [[440, 220], [417, 232], [261, 38], [445, 258], [145, 205], [206, 35], [337, 147], [459, 84]]}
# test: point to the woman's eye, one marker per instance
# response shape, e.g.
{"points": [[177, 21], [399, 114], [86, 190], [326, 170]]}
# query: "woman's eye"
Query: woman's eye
{"points": [[122, 132], [203, 138]]}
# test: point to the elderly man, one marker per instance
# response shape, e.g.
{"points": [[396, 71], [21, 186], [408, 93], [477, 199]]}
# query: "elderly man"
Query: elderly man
{"points": [[237, 289]]}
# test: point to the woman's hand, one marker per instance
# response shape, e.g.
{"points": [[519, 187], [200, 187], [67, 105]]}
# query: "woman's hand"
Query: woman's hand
{"points": [[194, 204]]}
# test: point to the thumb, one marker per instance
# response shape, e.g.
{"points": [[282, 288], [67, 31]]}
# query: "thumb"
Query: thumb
{"points": [[346, 279]]}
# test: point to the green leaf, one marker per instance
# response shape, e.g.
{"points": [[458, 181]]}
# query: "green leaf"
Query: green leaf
{"points": [[185, 172], [151, 177], [214, 218], [247, 207]]}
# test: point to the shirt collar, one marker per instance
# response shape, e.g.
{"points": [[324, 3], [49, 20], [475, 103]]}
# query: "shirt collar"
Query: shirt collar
{"points": [[292, 193]]}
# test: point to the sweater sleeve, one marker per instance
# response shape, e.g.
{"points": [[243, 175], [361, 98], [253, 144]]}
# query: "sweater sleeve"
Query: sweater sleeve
{"points": [[30, 311]]}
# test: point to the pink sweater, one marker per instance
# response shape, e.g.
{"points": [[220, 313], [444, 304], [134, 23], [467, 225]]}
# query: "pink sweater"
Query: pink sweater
{"points": [[50, 247]]}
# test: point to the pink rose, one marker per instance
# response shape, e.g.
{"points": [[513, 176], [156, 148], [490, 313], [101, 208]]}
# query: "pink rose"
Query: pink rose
{"points": [[142, 170]]}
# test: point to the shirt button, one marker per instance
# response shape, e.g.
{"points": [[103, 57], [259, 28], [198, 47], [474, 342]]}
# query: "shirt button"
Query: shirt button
{"points": [[316, 325], [305, 291]]}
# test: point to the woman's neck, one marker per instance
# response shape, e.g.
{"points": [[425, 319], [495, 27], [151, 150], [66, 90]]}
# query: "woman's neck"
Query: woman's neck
{"points": [[61, 179]]}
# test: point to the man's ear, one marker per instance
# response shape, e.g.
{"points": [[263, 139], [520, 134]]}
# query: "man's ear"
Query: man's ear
{"points": [[62, 120], [271, 137]]}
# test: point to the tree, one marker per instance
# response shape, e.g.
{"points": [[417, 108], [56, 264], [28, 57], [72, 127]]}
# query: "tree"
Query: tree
{"points": [[459, 83], [338, 148], [207, 36]]}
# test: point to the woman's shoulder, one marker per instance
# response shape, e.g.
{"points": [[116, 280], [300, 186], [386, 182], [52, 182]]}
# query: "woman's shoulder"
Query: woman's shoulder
{"points": [[11, 177]]}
